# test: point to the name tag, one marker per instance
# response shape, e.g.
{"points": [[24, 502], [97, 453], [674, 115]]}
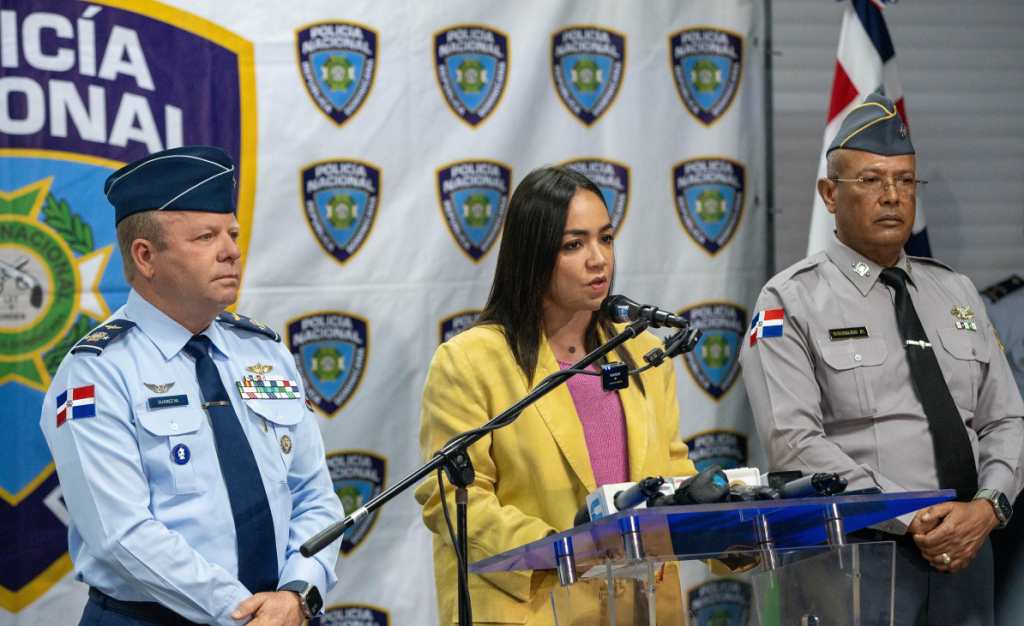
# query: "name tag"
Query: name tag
{"points": [[854, 332], [163, 402]]}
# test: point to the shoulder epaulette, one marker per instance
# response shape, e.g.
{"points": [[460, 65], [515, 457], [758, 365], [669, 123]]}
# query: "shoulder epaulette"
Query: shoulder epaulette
{"points": [[930, 261], [249, 324], [1001, 289], [101, 336]]}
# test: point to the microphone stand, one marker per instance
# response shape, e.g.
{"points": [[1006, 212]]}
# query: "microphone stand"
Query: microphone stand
{"points": [[454, 459]]}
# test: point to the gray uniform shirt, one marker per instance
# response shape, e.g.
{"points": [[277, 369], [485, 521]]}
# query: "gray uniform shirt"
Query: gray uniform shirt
{"points": [[830, 397]]}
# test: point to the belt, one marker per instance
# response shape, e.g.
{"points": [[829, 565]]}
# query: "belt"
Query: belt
{"points": [[149, 612]]}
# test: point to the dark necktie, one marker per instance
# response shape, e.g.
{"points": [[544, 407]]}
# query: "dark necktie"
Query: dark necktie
{"points": [[953, 454], [254, 525]]}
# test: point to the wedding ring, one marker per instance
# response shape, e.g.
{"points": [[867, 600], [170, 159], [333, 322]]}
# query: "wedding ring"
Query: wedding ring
{"points": [[946, 560]]}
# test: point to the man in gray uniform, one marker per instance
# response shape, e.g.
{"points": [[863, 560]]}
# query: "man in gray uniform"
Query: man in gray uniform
{"points": [[885, 369]]}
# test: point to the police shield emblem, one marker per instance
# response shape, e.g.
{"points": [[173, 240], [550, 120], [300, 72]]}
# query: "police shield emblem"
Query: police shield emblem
{"points": [[474, 198], [455, 324], [354, 615], [709, 197], [104, 94], [338, 61], [613, 180], [725, 448], [330, 349], [587, 64], [472, 68], [714, 363], [724, 602], [707, 64], [340, 199], [357, 476]]}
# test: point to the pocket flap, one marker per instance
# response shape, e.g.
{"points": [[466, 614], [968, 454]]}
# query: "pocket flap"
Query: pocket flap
{"points": [[850, 353], [964, 344], [168, 422], [283, 412]]}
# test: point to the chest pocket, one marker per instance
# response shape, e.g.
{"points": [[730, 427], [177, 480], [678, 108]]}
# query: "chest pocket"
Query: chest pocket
{"points": [[172, 438], [850, 377], [963, 358], [279, 420]]}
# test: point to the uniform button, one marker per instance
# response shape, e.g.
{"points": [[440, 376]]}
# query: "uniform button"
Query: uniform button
{"points": [[857, 358], [174, 426], [974, 352]]}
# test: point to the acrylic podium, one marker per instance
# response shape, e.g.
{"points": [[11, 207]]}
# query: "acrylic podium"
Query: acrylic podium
{"points": [[799, 568]]}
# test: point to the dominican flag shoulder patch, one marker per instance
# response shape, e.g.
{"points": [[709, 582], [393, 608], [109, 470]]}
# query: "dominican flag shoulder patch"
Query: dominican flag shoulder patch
{"points": [[767, 323], [76, 403]]}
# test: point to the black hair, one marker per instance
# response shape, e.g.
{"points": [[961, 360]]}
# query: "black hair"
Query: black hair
{"points": [[530, 242]]}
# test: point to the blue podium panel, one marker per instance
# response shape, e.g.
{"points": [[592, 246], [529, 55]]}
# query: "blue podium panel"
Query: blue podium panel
{"points": [[706, 530]]}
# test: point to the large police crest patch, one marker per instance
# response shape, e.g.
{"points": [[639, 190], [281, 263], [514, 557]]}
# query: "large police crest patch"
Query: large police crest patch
{"points": [[331, 349], [587, 64], [707, 64], [357, 476], [714, 363], [340, 201], [613, 180], [456, 323], [725, 448], [472, 69], [338, 62], [724, 602], [474, 198], [87, 89], [709, 195]]}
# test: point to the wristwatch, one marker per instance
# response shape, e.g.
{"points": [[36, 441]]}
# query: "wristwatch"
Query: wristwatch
{"points": [[309, 597], [1002, 507]]}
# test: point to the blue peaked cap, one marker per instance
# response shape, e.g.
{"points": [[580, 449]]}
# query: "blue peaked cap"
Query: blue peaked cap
{"points": [[190, 178], [874, 126]]}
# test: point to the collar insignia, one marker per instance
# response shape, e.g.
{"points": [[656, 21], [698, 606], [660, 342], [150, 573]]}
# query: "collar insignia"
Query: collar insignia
{"points": [[862, 269]]}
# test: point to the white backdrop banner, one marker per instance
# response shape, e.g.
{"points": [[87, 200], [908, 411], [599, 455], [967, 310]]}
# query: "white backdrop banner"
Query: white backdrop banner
{"points": [[378, 146]]}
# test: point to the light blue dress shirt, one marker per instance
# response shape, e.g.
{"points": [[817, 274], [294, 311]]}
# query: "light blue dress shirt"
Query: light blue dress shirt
{"points": [[1007, 316], [150, 515]]}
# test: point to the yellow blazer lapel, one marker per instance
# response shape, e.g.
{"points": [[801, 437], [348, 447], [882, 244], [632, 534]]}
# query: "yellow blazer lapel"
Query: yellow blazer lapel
{"points": [[559, 414]]}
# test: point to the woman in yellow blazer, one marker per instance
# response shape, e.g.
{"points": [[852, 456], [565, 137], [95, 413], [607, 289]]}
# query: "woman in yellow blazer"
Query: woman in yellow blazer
{"points": [[554, 268]]}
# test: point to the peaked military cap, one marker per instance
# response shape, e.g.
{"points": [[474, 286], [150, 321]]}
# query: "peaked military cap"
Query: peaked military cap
{"points": [[874, 126], [190, 178]]}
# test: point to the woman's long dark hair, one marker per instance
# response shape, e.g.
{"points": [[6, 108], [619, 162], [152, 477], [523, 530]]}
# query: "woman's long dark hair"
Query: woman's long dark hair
{"points": [[530, 241]]}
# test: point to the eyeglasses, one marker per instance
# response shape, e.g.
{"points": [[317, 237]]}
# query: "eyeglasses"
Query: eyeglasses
{"points": [[905, 184]]}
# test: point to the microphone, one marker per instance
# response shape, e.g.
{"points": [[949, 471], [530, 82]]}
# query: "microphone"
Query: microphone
{"points": [[622, 309], [646, 488], [820, 484], [709, 485], [612, 498]]}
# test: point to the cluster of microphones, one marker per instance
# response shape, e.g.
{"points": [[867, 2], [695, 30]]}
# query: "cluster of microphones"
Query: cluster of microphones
{"points": [[708, 486]]}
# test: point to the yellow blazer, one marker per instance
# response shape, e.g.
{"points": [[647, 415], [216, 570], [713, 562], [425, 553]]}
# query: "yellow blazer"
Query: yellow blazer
{"points": [[532, 476]]}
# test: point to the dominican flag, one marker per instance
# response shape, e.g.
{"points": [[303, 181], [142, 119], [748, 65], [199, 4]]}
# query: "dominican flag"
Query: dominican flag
{"points": [[767, 323], [76, 403], [865, 62]]}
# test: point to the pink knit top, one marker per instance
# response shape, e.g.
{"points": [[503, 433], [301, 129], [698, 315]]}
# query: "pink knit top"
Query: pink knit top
{"points": [[604, 427]]}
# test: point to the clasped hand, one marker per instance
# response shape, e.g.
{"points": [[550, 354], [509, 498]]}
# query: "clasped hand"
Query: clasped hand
{"points": [[270, 608], [950, 534]]}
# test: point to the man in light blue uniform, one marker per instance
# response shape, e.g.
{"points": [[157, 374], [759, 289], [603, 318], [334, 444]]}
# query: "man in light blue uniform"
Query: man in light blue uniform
{"points": [[1005, 302], [191, 466]]}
